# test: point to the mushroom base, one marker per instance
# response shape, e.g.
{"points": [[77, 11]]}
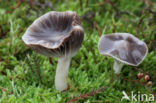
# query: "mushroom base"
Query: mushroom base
{"points": [[117, 66], [62, 73]]}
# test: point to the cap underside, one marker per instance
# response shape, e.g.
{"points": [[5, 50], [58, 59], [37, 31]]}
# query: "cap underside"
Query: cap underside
{"points": [[50, 29], [52, 33]]}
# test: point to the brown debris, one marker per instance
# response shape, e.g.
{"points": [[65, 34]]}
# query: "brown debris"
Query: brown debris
{"points": [[98, 28], [84, 96], [2, 33]]}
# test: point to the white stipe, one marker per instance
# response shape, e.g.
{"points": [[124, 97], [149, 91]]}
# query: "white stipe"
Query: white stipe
{"points": [[62, 73]]}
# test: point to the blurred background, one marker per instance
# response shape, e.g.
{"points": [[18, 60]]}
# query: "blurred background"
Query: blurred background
{"points": [[26, 76]]}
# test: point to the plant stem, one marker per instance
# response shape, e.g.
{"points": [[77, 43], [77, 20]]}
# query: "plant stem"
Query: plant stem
{"points": [[84, 96], [62, 73]]}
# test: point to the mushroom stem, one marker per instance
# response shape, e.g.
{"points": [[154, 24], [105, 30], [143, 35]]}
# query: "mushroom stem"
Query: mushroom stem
{"points": [[62, 73], [117, 66]]}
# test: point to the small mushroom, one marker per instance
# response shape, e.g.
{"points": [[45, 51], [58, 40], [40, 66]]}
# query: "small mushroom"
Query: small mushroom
{"points": [[124, 48], [140, 75], [56, 34], [149, 83], [146, 78]]}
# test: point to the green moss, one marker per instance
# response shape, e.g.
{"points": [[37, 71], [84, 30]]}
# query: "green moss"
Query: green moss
{"points": [[19, 80]]}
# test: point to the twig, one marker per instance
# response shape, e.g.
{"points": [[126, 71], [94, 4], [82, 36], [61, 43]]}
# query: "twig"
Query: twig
{"points": [[114, 28], [2, 33], [30, 2], [30, 66], [50, 60], [140, 21], [81, 5], [98, 28], [112, 4], [84, 96], [87, 1], [18, 3]]}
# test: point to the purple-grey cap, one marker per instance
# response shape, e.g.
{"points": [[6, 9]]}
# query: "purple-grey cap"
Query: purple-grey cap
{"points": [[55, 34], [123, 47]]}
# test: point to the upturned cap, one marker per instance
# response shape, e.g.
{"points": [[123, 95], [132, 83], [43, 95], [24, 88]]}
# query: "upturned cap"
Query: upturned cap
{"points": [[55, 34]]}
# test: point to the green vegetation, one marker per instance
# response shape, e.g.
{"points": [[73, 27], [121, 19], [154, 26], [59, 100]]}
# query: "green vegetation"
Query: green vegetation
{"points": [[19, 66]]}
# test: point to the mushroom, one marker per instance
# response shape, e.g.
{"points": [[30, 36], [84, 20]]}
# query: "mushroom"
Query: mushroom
{"points": [[124, 48], [56, 34]]}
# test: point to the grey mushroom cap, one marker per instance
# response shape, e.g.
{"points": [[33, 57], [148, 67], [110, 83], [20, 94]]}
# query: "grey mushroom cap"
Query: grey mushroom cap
{"points": [[123, 47], [55, 34]]}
